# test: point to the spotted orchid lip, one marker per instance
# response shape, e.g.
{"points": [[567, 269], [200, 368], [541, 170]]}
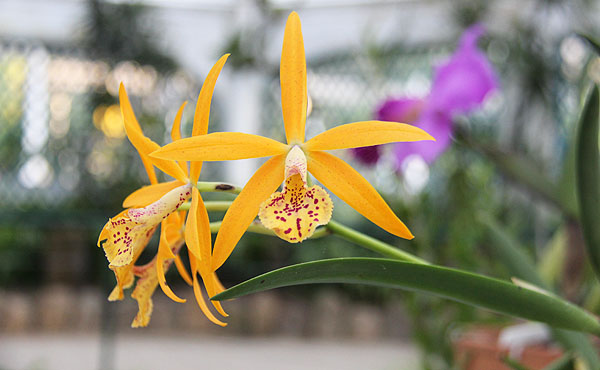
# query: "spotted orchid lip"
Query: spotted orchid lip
{"points": [[128, 231], [295, 212]]}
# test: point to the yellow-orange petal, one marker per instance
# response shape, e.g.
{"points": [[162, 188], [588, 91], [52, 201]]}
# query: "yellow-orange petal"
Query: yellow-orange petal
{"points": [[365, 133], [202, 113], [352, 188], [292, 75], [203, 227], [143, 144], [176, 128], [149, 167], [176, 134], [208, 277], [174, 229], [192, 238], [218, 285], [124, 239], [144, 289], [128, 231], [124, 274], [295, 213], [149, 194], [198, 293], [220, 146], [125, 279], [245, 207], [182, 271], [165, 253], [134, 125]]}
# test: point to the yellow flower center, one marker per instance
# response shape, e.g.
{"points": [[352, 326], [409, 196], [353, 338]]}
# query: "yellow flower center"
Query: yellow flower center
{"points": [[294, 213]]}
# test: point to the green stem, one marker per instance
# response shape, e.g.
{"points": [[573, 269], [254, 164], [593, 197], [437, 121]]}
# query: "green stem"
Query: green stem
{"points": [[254, 227], [210, 205], [372, 243], [220, 187]]}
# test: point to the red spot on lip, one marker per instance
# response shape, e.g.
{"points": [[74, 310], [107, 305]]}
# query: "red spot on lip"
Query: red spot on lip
{"points": [[316, 201], [282, 218], [289, 230]]}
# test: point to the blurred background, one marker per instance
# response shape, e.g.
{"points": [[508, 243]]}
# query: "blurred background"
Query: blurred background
{"points": [[66, 166]]}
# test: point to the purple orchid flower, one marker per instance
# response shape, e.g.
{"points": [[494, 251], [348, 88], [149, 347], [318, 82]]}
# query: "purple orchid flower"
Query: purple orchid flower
{"points": [[459, 85], [399, 110], [463, 82]]}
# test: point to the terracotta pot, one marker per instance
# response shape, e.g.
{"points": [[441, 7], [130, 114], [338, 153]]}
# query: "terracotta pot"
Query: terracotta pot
{"points": [[477, 348]]}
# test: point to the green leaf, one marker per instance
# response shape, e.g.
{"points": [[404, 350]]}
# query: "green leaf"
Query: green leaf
{"points": [[514, 364], [461, 286], [551, 265], [588, 176], [592, 42], [566, 362], [521, 265]]}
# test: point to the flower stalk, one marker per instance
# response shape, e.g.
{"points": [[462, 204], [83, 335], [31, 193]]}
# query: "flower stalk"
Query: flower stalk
{"points": [[221, 205], [217, 187], [371, 243], [332, 227]]}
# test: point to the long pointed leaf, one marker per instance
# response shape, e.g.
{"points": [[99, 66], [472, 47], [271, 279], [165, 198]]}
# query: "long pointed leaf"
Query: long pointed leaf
{"points": [[588, 176], [595, 45], [566, 362], [461, 286]]}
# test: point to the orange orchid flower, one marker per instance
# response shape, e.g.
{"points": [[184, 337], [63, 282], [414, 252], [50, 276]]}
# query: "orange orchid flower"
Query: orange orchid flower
{"points": [[296, 203], [126, 235]]}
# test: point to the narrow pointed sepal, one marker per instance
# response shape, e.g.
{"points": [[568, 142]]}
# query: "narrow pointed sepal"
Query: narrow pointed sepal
{"points": [[365, 133], [293, 80], [245, 207], [220, 146], [351, 187]]}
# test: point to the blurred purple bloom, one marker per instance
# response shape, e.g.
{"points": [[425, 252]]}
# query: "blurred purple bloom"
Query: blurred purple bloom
{"points": [[459, 85], [438, 125], [398, 110], [463, 82]]}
